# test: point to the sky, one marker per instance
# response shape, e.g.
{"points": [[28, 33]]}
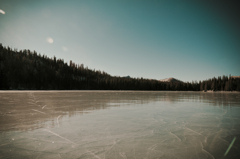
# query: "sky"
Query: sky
{"points": [[187, 40]]}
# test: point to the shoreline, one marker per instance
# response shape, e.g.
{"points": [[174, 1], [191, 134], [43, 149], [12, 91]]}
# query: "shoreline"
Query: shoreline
{"points": [[209, 91]]}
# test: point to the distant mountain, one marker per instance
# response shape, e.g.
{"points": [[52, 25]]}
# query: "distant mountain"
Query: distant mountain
{"points": [[235, 77], [171, 80]]}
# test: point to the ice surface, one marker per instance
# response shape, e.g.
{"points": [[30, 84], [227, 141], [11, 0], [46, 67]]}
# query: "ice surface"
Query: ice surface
{"points": [[119, 124]]}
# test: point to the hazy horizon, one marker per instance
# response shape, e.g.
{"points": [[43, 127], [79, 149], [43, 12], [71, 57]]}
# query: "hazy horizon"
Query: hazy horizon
{"points": [[155, 40]]}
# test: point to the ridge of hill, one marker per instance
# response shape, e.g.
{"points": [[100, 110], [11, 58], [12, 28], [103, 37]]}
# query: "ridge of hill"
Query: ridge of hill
{"points": [[27, 70], [171, 79]]}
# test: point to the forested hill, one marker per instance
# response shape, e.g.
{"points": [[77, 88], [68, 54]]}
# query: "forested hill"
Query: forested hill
{"points": [[28, 70]]}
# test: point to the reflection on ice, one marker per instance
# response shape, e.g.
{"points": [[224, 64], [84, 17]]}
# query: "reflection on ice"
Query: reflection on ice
{"points": [[102, 124]]}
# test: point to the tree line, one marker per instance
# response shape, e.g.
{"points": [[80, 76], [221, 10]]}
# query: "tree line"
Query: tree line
{"points": [[28, 70]]}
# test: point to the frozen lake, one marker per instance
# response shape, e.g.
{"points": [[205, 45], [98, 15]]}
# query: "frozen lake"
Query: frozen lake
{"points": [[108, 124]]}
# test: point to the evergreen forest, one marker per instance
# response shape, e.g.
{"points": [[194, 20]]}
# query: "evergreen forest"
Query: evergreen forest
{"points": [[27, 70]]}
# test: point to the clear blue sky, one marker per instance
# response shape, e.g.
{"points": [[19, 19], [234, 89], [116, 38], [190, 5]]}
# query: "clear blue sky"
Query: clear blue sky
{"points": [[158, 39]]}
